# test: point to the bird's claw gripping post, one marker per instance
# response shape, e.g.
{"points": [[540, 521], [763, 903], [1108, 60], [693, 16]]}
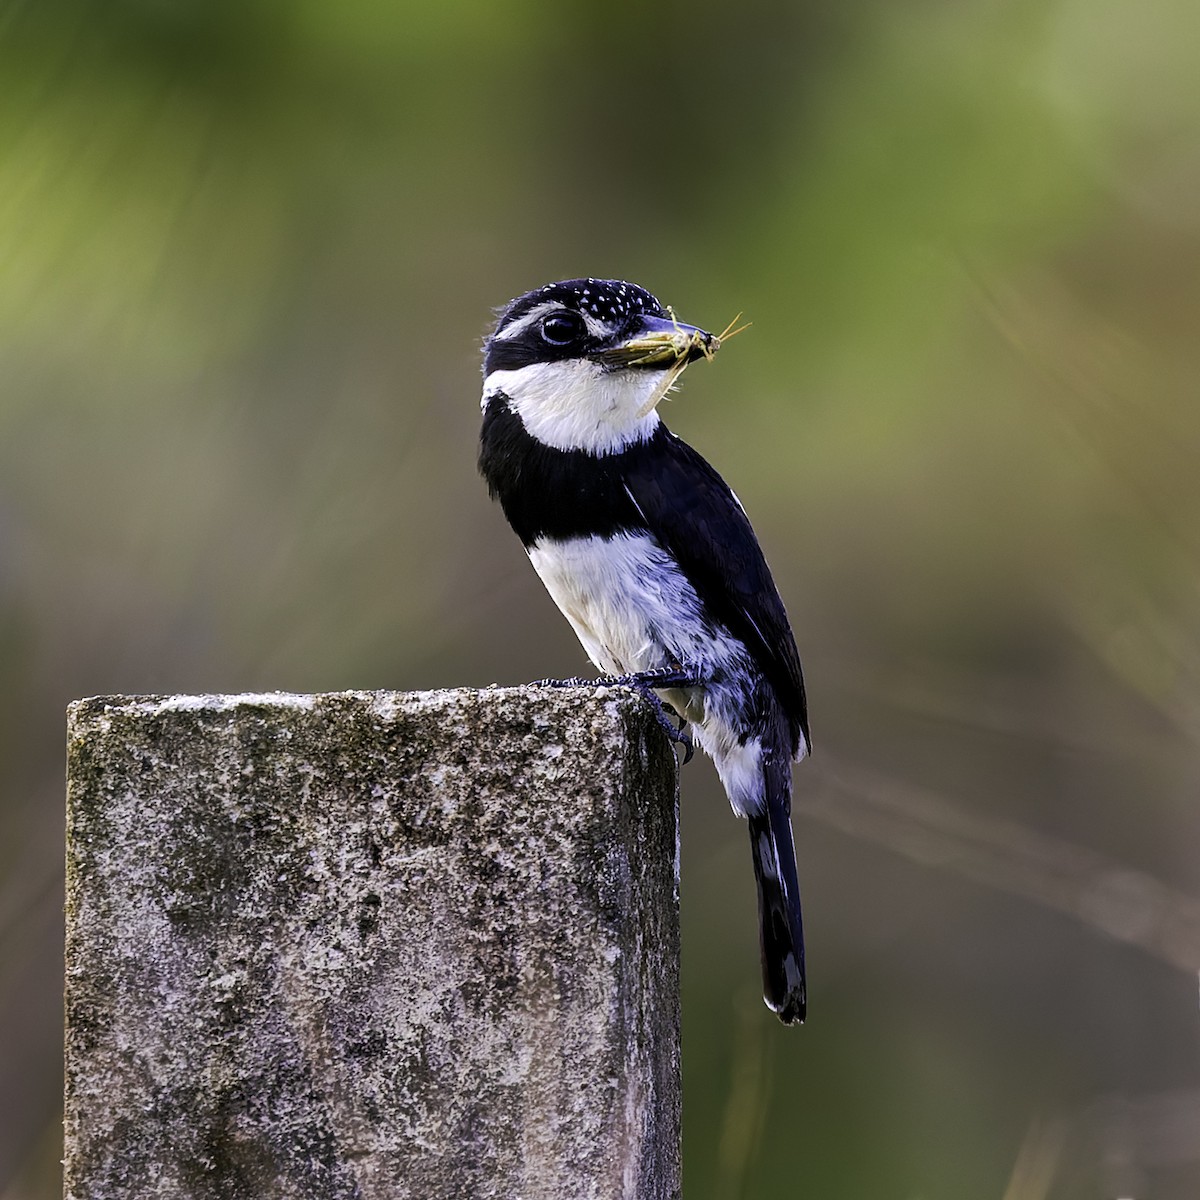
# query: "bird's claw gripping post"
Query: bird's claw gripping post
{"points": [[678, 734], [644, 683]]}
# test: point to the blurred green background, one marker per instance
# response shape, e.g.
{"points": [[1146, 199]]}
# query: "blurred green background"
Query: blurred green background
{"points": [[248, 250]]}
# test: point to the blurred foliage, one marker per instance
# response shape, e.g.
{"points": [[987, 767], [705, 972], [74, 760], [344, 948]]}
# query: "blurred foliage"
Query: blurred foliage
{"points": [[248, 251]]}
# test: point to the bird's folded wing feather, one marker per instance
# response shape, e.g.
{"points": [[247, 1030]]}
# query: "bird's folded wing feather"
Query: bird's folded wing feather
{"points": [[700, 522]]}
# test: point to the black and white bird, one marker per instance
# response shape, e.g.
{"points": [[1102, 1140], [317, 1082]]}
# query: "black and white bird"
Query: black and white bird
{"points": [[650, 556]]}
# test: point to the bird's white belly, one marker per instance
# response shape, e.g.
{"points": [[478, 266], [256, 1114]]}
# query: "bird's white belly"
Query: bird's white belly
{"points": [[627, 601]]}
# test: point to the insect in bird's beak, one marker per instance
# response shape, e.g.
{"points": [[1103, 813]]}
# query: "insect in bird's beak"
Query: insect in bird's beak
{"points": [[666, 344], [661, 342]]}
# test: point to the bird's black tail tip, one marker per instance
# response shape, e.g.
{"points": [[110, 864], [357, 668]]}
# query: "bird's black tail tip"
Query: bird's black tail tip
{"points": [[792, 1011], [784, 988], [781, 934]]}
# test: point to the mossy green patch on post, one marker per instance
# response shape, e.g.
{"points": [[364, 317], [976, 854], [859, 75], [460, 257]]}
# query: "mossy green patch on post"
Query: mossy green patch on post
{"points": [[372, 944]]}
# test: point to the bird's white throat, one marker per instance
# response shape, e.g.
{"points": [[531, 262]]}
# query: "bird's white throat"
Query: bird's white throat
{"points": [[578, 405]]}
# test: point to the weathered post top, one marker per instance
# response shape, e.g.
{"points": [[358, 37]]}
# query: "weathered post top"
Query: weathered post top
{"points": [[372, 944]]}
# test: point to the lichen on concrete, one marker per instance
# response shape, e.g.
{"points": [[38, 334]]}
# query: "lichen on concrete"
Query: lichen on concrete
{"points": [[372, 944]]}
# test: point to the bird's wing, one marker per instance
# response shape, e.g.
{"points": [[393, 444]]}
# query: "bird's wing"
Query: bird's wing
{"points": [[701, 523]]}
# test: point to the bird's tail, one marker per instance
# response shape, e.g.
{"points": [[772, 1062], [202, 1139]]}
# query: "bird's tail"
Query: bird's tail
{"points": [[781, 934]]}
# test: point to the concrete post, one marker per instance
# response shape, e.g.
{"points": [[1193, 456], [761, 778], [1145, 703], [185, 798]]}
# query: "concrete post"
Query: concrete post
{"points": [[372, 945]]}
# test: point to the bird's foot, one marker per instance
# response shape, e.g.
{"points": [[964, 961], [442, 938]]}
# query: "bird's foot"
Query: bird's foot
{"points": [[677, 733], [644, 683]]}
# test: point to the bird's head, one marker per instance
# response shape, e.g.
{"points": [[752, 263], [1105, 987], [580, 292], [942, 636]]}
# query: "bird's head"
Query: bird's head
{"points": [[585, 362]]}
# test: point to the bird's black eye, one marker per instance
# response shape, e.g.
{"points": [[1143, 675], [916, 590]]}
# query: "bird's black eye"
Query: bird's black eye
{"points": [[562, 328]]}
